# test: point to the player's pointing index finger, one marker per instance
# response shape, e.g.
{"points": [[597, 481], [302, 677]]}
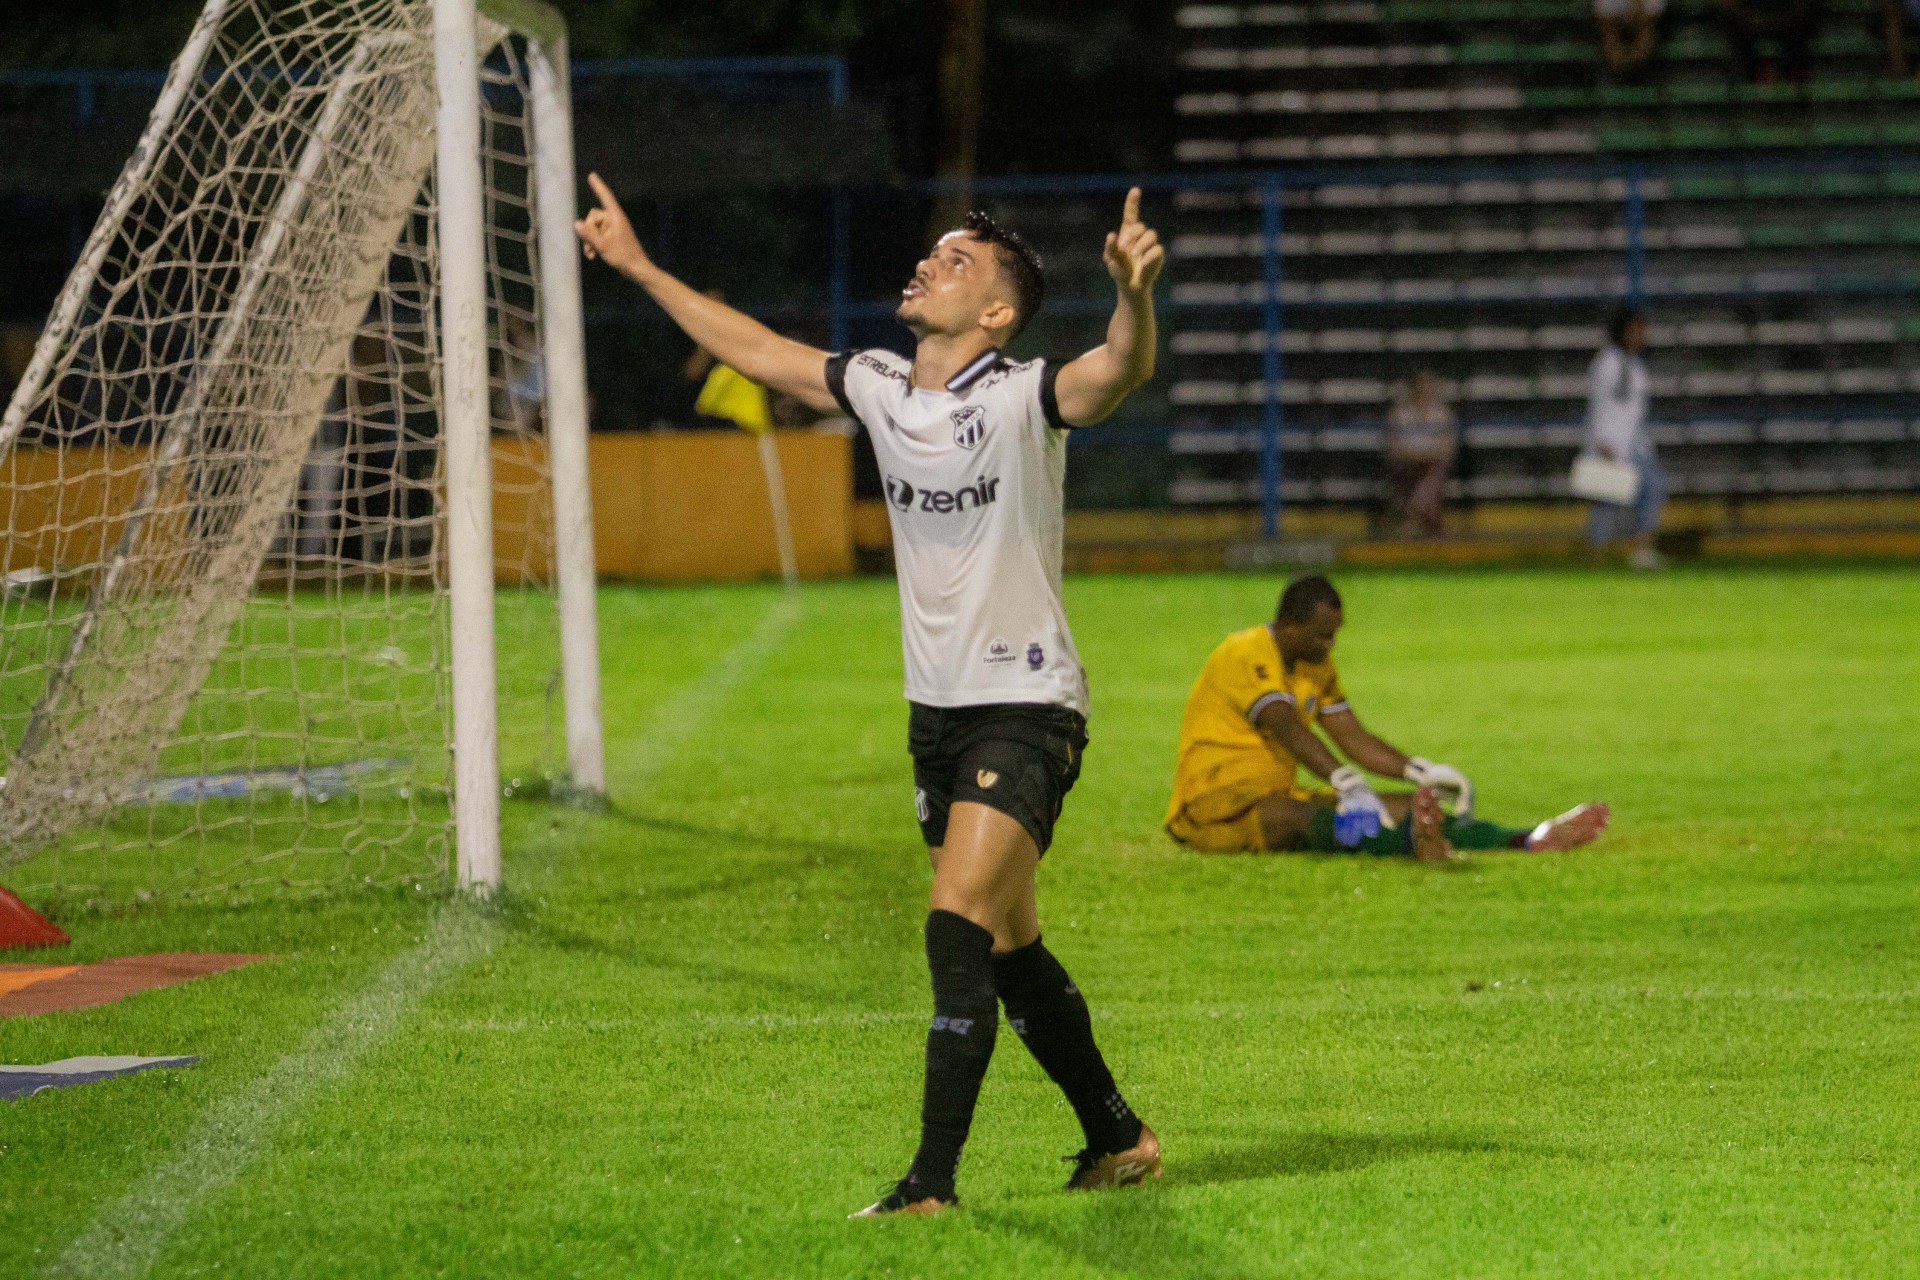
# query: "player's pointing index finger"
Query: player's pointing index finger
{"points": [[1132, 211], [602, 192]]}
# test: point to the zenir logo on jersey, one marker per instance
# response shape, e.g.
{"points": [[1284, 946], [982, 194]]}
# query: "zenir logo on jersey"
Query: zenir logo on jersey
{"points": [[942, 501], [969, 426]]}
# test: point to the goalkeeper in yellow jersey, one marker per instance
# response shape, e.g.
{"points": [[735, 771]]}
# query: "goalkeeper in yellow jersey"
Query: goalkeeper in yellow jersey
{"points": [[1250, 721]]}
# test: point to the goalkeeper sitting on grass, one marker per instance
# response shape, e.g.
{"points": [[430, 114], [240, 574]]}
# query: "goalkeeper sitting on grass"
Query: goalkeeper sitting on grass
{"points": [[1249, 722]]}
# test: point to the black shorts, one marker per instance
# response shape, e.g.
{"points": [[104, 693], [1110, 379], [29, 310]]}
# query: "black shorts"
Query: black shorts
{"points": [[1019, 758]]}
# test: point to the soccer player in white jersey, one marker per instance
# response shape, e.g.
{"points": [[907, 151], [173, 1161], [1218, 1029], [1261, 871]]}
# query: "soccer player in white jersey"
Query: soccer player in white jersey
{"points": [[972, 449]]}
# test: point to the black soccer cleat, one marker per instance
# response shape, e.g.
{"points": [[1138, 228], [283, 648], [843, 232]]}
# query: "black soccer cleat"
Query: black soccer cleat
{"points": [[907, 1196]]}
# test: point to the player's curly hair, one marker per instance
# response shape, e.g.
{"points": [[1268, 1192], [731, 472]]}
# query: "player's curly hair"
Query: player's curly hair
{"points": [[1017, 258]]}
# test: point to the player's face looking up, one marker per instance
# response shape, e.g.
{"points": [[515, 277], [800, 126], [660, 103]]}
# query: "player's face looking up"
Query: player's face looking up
{"points": [[956, 289], [1312, 640]]}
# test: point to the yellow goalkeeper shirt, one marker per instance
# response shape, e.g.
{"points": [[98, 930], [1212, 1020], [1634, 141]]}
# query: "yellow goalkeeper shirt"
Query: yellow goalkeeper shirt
{"points": [[1221, 747]]}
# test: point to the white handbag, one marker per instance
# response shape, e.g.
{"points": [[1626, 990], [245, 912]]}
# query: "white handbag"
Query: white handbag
{"points": [[1600, 480]]}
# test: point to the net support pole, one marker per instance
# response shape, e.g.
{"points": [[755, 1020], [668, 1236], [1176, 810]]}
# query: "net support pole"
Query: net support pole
{"points": [[563, 343], [464, 430]]}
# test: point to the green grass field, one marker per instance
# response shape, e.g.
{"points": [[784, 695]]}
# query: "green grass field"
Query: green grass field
{"points": [[688, 1041]]}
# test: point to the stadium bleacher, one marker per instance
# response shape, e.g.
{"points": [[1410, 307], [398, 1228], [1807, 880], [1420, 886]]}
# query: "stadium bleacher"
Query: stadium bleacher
{"points": [[1465, 191]]}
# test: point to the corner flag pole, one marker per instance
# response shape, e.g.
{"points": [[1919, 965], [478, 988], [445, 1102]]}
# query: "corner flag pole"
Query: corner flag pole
{"points": [[777, 499]]}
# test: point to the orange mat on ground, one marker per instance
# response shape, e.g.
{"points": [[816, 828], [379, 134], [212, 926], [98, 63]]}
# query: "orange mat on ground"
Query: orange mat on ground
{"points": [[13, 977], [43, 988]]}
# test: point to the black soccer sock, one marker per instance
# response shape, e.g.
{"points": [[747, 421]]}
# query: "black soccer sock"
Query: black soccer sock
{"points": [[959, 1045], [1049, 1015]]}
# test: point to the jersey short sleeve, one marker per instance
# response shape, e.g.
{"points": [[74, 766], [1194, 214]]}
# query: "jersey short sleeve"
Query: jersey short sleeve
{"points": [[1251, 680], [1333, 699], [1049, 399], [837, 381]]}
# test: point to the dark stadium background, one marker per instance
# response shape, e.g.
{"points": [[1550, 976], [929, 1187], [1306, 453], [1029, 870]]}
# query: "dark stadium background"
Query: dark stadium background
{"points": [[1763, 224]]}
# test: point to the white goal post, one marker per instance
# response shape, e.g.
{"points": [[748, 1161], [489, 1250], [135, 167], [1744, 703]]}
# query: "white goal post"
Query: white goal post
{"points": [[467, 420], [330, 309]]}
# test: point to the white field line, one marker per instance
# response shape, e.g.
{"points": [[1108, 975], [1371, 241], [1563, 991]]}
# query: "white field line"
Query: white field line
{"points": [[676, 719], [126, 1235]]}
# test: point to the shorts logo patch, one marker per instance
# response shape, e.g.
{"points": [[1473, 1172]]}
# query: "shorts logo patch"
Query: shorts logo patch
{"points": [[1036, 656], [986, 778], [969, 426], [920, 806], [999, 653]]}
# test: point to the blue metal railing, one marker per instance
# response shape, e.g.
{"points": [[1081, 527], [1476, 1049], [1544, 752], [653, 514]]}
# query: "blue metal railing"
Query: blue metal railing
{"points": [[1273, 407]]}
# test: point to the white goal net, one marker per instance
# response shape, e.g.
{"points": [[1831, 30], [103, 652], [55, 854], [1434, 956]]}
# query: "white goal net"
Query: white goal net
{"points": [[236, 502]]}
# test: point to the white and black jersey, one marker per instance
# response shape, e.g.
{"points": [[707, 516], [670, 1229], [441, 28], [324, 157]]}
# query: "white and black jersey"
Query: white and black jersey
{"points": [[974, 492]]}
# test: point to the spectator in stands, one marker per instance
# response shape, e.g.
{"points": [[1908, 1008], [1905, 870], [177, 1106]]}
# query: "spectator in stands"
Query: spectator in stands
{"points": [[1629, 33], [1617, 387], [1788, 25], [1421, 441], [1902, 20]]}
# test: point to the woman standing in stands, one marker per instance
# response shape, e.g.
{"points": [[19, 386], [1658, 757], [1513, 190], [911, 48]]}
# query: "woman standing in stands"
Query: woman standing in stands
{"points": [[1421, 441], [1617, 392]]}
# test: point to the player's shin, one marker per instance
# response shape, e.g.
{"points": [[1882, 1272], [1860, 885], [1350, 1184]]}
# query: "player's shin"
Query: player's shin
{"points": [[1048, 1013], [959, 1045]]}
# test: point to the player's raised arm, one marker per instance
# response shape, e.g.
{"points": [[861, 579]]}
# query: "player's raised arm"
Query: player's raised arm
{"points": [[1091, 388], [735, 339]]}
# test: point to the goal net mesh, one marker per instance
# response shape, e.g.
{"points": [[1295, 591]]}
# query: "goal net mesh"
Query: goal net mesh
{"points": [[224, 659]]}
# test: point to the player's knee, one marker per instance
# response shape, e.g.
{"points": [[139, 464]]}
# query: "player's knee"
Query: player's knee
{"points": [[974, 902]]}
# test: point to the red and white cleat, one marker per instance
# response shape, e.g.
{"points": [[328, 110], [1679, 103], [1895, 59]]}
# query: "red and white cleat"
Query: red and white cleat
{"points": [[1579, 825]]}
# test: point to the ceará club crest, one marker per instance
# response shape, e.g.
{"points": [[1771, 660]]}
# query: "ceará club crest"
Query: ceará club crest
{"points": [[969, 426]]}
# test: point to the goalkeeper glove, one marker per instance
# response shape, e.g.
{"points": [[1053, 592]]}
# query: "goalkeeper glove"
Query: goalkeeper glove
{"points": [[1448, 784], [1360, 813]]}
